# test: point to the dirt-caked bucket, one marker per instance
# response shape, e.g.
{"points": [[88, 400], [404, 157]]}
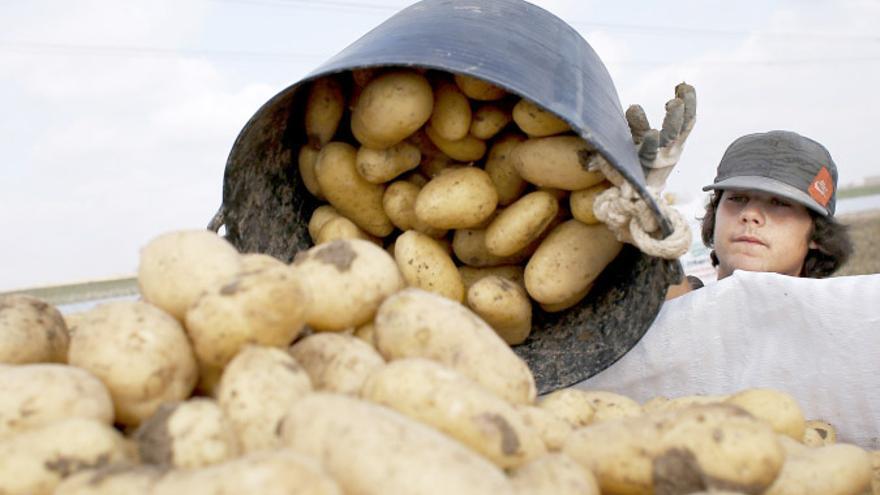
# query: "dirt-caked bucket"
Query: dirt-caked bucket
{"points": [[532, 55]]}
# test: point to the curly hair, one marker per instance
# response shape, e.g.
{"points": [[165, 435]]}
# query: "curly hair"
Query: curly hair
{"points": [[832, 239]]}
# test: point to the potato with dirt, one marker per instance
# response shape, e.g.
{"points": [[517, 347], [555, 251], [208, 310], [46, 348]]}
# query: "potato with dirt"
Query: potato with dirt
{"points": [[176, 268], [31, 331], [379, 166], [335, 362], [451, 117], [325, 105], [779, 409], [425, 264], [554, 430], [714, 446], [536, 121], [33, 395], [560, 162], [501, 168], [346, 190], [255, 391], [504, 305], [391, 106], [399, 203], [190, 434], [266, 307], [346, 279], [568, 261], [478, 89], [417, 323], [521, 223], [139, 352], [371, 450], [34, 461], [444, 399], [458, 198]]}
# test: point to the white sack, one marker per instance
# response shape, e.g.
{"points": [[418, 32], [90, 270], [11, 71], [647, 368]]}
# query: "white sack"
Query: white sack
{"points": [[817, 339]]}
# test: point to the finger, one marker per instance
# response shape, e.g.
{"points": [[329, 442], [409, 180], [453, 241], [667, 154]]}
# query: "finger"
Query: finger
{"points": [[648, 148], [673, 121], [686, 93], [638, 122]]}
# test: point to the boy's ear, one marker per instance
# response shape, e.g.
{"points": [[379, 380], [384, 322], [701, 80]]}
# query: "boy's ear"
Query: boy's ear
{"points": [[813, 245]]}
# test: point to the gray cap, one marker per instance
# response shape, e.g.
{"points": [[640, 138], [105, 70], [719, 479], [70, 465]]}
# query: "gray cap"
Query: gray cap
{"points": [[782, 163]]}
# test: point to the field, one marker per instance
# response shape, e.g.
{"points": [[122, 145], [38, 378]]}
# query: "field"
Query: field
{"points": [[864, 228]]}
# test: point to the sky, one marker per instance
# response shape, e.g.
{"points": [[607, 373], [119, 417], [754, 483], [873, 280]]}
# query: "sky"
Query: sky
{"points": [[116, 117]]}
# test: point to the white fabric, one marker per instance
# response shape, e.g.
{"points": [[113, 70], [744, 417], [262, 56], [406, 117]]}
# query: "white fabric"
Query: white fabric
{"points": [[818, 340]]}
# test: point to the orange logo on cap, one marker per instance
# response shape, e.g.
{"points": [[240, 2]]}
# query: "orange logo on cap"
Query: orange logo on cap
{"points": [[822, 187]]}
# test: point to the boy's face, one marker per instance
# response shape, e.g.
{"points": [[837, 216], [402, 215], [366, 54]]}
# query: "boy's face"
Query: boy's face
{"points": [[760, 232]]}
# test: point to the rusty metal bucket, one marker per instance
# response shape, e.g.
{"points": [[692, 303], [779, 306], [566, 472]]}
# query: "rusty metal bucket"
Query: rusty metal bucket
{"points": [[530, 53]]}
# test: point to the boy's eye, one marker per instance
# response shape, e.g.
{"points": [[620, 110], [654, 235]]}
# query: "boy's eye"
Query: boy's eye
{"points": [[779, 202], [737, 198]]}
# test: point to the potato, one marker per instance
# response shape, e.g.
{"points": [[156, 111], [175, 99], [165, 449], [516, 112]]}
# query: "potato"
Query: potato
{"points": [[581, 202], [254, 262], [554, 474], [341, 228], [324, 107], [451, 118], [839, 469], [189, 434], [399, 203], [504, 305], [608, 405], [378, 166], [488, 120], [568, 302], [700, 447], [470, 275], [139, 352], [521, 223], [178, 267], [370, 449], [33, 395], [458, 198], [278, 472], [265, 307], [33, 462], [448, 401], [117, 479], [568, 260], [426, 265], [570, 404], [553, 430], [348, 279], [31, 331], [306, 161], [502, 169], [391, 107], [336, 363], [779, 409], [255, 391], [560, 162], [416, 323], [352, 196], [469, 246], [818, 433], [478, 89], [466, 149], [319, 219], [537, 122]]}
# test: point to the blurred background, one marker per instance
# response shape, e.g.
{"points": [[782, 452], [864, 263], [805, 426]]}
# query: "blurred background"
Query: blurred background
{"points": [[116, 117]]}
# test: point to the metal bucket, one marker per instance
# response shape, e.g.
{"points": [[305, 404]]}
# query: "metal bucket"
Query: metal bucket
{"points": [[530, 53]]}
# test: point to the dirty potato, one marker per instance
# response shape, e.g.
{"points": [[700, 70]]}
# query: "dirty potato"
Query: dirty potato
{"points": [[391, 106], [425, 264], [31, 331], [335, 362]]}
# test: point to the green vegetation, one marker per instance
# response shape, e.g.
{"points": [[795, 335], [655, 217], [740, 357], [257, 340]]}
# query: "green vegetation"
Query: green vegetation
{"points": [[854, 192]]}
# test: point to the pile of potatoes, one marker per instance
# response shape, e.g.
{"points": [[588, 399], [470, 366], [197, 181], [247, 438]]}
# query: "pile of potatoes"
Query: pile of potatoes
{"points": [[480, 196], [227, 376]]}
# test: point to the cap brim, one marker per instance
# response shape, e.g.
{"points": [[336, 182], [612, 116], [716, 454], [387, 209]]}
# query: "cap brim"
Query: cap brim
{"points": [[771, 186]]}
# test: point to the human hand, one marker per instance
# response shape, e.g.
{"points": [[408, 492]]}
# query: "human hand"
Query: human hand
{"points": [[659, 151]]}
